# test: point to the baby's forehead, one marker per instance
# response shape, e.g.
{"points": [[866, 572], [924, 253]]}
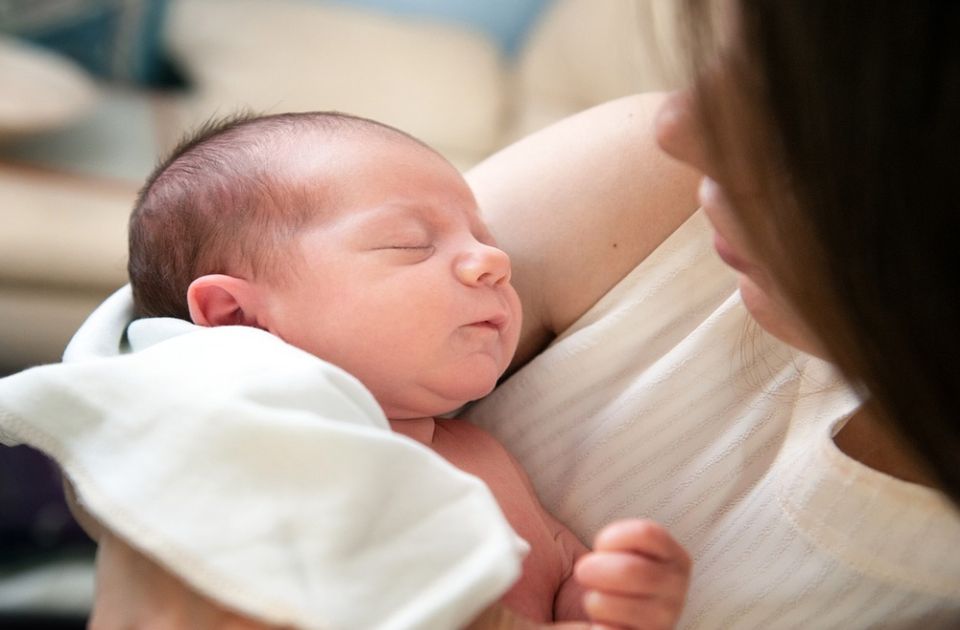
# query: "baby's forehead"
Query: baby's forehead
{"points": [[347, 172], [371, 138], [328, 156], [338, 155]]}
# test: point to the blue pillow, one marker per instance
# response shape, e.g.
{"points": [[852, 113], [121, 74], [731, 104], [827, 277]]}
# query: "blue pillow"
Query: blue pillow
{"points": [[505, 21], [116, 40]]}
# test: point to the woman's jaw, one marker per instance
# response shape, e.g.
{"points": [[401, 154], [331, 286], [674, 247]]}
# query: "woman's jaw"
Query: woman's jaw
{"points": [[760, 294]]}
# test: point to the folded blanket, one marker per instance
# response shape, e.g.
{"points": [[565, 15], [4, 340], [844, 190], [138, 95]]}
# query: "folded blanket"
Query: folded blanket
{"points": [[266, 478]]}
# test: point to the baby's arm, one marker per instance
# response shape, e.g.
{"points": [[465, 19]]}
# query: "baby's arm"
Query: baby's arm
{"points": [[568, 603], [636, 576]]}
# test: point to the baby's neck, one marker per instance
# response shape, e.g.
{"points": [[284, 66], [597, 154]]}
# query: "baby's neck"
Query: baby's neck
{"points": [[419, 429]]}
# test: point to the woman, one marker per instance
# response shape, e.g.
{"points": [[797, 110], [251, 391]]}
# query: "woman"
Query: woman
{"points": [[828, 137], [831, 164], [805, 500]]}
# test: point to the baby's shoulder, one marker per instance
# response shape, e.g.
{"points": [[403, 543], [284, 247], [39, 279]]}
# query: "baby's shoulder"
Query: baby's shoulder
{"points": [[455, 434], [464, 429]]}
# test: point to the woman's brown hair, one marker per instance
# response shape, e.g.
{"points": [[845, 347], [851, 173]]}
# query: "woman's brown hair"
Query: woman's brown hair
{"points": [[848, 115]]}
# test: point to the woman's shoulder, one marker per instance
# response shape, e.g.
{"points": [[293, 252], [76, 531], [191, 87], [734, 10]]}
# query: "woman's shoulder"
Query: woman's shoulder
{"points": [[577, 206]]}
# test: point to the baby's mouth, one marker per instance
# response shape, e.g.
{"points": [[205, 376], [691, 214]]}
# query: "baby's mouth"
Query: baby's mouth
{"points": [[496, 322]]}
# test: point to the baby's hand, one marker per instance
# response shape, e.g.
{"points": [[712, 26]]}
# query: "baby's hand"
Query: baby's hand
{"points": [[635, 577]]}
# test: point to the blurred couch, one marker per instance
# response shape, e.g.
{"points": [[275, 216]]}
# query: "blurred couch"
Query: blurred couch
{"points": [[78, 135]]}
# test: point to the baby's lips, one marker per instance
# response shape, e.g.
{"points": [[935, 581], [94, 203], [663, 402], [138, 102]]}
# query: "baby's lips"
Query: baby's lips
{"points": [[498, 317], [499, 320]]}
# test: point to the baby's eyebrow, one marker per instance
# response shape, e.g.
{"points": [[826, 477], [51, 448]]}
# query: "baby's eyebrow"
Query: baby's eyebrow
{"points": [[392, 214], [427, 216], [424, 212]]}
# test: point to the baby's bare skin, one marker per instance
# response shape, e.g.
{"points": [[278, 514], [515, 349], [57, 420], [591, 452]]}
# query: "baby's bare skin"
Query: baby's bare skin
{"points": [[547, 589]]}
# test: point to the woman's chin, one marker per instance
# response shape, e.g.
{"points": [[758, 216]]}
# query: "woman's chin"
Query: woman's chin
{"points": [[775, 317]]}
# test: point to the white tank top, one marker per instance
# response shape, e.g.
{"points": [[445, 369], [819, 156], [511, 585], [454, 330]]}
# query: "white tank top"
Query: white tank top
{"points": [[665, 401]]}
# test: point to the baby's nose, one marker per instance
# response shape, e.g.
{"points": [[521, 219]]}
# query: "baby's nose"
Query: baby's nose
{"points": [[483, 264]]}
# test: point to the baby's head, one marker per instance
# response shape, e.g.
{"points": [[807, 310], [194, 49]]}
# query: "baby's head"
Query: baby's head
{"points": [[342, 236], [228, 199]]}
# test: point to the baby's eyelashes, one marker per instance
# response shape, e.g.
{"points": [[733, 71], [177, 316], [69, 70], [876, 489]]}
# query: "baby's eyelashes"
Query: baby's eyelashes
{"points": [[407, 253]]}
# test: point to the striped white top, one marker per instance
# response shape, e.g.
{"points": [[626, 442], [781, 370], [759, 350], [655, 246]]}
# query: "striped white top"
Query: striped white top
{"points": [[664, 401]]}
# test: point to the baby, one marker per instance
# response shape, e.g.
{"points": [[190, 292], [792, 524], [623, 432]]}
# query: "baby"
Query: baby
{"points": [[356, 242]]}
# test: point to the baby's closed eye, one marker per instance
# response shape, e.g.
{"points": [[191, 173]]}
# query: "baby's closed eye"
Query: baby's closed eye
{"points": [[425, 246], [406, 253]]}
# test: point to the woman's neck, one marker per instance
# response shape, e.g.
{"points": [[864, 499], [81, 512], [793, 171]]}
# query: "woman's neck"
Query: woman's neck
{"points": [[866, 439]]}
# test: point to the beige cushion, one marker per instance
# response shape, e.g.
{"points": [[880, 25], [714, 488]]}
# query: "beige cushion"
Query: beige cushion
{"points": [[41, 89], [61, 231], [36, 322], [63, 249], [439, 82], [584, 52]]}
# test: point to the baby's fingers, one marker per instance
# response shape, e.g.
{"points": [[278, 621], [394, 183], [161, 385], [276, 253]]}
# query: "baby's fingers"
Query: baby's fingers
{"points": [[644, 537], [630, 574], [636, 576], [617, 611]]}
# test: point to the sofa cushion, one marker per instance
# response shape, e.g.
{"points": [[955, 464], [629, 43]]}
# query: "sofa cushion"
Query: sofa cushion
{"points": [[583, 53], [505, 21], [440, 82], [61, 231], [41, 89]]}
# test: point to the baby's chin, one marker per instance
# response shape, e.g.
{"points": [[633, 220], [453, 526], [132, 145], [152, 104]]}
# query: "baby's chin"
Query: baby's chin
{"points": [[437, 401]]}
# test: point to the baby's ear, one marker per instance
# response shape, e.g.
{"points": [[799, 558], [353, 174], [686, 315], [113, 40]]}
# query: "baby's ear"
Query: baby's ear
{"points": [[221, 300]]}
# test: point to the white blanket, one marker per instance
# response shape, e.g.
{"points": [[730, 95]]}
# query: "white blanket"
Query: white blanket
{"points": [[265, 477]]}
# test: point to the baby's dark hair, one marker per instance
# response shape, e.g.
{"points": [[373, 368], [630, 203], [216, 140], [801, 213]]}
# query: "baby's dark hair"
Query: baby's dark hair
{"points": [[221, 203]]}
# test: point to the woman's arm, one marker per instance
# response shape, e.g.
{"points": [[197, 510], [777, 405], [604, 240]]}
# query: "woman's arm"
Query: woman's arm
{"points": [[577, 206], [135, 592], [132, 591]]}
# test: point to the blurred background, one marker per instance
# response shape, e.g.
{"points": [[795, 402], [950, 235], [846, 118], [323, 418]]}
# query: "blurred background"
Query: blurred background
{"points": [[94, 92]]}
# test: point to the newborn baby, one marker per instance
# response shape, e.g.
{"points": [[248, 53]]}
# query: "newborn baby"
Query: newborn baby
{"points": [[361, 245]]}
